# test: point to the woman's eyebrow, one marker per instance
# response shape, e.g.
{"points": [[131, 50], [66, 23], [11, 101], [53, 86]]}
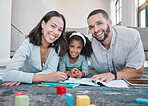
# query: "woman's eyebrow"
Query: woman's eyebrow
{"points": [[57, 25], [54, 24]]}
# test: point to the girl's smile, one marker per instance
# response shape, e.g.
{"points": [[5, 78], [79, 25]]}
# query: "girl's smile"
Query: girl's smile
{"points": [[75, 48]]}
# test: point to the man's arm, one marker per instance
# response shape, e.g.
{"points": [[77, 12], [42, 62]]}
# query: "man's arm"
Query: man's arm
{"points": [[127, 73], [130, 73]]}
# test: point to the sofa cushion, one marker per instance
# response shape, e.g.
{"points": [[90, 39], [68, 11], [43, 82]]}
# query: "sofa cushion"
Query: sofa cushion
{"points": [[144, 37], [83, 30]]}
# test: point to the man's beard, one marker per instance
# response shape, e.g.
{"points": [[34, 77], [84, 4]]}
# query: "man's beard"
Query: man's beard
{"points": [[105, 34]]}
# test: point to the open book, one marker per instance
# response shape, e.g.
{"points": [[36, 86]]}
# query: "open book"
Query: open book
{"points": [[87, 81]]}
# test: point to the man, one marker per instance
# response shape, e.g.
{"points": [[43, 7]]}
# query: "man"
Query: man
{"points": [[117, 51]]}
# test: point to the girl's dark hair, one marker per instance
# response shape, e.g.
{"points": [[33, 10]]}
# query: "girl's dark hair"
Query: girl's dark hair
{"points": [[35, 36], [86, 50]]}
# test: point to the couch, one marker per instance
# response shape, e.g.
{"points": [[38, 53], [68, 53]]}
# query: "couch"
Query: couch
{"points": [[144, 37], [143, 32]]}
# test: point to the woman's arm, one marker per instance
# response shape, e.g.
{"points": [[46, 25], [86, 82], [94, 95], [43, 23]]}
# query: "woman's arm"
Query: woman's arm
{"points": [[12, 72], [52, 77]]}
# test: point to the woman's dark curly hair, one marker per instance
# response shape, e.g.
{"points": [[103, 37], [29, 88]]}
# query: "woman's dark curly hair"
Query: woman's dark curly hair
{"points": [[35, 36], [86, 50]]}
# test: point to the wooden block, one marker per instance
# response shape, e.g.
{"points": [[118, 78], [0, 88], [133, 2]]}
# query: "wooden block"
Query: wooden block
{"points": [[61, 89], [69, 99], [19, 94], [22, 100], [83, 100]]}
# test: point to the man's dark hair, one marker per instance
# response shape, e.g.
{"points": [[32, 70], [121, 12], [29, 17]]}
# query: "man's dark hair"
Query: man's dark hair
{"points": [[104, 13]]}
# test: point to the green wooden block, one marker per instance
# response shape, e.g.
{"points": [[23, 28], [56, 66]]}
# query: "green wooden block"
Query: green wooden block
{"points": [[22, 100]]}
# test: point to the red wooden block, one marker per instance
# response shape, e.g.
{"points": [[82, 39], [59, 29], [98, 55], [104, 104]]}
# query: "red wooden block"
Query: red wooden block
{"points": [[61, 89], [19, 93]]}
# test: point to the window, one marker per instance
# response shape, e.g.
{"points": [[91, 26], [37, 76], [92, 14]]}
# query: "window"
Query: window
{"points": [[143, 13], [118, 12]]}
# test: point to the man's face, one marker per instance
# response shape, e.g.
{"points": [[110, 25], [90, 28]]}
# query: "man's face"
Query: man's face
{"points": [[99, 26]]}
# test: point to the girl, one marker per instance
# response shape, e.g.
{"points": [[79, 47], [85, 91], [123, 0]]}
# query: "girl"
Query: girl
{"points": [[75, 63], [35, 61]]}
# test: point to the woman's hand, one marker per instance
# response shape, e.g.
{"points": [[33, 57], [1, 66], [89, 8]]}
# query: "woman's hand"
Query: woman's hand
{"points": [[57, 76], [11, 83]]}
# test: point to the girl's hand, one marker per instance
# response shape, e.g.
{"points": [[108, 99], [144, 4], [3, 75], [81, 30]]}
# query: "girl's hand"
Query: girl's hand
{"points": [[11, 83], [77, 73], [69, 73]]}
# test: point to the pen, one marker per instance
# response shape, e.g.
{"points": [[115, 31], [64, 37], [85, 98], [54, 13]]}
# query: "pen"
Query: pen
{"points": [[114, 71]]}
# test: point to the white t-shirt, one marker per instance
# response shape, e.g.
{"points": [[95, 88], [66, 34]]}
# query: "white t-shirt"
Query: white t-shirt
{"points": [[126, 50]]}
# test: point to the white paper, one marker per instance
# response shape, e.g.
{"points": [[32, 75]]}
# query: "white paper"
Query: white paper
{"points": [[115, 83], [86, 81]]}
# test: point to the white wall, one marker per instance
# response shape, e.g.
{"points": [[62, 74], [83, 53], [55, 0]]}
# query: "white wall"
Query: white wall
{"points": [[129, 13], [5, 30], [27, 13], [112, 12]]}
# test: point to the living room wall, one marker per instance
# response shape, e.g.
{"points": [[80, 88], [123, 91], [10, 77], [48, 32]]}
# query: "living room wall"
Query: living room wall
{"points": [[5, 30], [27, 13]]}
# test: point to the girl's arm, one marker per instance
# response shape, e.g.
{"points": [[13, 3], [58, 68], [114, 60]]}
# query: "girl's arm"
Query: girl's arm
{"points": [[85, 66]]}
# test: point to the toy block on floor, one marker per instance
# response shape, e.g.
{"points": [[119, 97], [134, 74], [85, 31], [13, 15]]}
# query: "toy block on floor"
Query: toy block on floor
{"points": [[19, 93], [83, 100], [69, 99], [61, 89], [22, 100]]}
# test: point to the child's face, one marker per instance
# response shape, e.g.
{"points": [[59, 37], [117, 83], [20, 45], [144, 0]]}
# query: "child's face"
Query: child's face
{"points": [[75, 48]]}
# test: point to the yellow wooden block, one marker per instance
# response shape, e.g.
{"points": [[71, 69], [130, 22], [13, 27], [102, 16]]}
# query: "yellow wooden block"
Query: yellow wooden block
{"points": [[83, 100]]}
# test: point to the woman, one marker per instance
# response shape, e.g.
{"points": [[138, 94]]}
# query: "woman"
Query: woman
{"points": [[37, 58]]}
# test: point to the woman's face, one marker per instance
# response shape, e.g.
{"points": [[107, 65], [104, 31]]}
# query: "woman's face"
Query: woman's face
{"points": [[52, 30], [75, 47]]}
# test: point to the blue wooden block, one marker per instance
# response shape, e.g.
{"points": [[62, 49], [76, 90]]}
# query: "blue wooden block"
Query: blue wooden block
{"points": [[69, 99], [142, 100]]}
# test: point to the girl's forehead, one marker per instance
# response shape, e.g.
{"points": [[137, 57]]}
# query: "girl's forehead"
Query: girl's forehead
{"points": [[75, 42]]}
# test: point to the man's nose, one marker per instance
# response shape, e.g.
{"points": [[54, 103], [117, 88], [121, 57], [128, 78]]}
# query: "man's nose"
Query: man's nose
{"points": [[96, 29]]}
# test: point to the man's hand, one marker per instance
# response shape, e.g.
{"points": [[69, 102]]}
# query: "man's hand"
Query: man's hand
{"points": [[11, 83], [106, 77]]}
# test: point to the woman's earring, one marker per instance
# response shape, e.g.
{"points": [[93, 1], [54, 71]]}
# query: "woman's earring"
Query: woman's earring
{"points": [[42, 31], [52, 44]]}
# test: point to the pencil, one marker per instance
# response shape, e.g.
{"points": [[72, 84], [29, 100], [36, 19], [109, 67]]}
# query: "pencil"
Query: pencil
{"points": [[43, 85]]}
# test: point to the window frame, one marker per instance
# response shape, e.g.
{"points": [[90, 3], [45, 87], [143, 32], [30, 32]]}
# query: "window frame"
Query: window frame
{"points": [[118, 10], [140, 8]]}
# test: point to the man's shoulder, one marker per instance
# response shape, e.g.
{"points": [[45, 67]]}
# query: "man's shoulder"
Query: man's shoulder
{"points": [[128, 34]]}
